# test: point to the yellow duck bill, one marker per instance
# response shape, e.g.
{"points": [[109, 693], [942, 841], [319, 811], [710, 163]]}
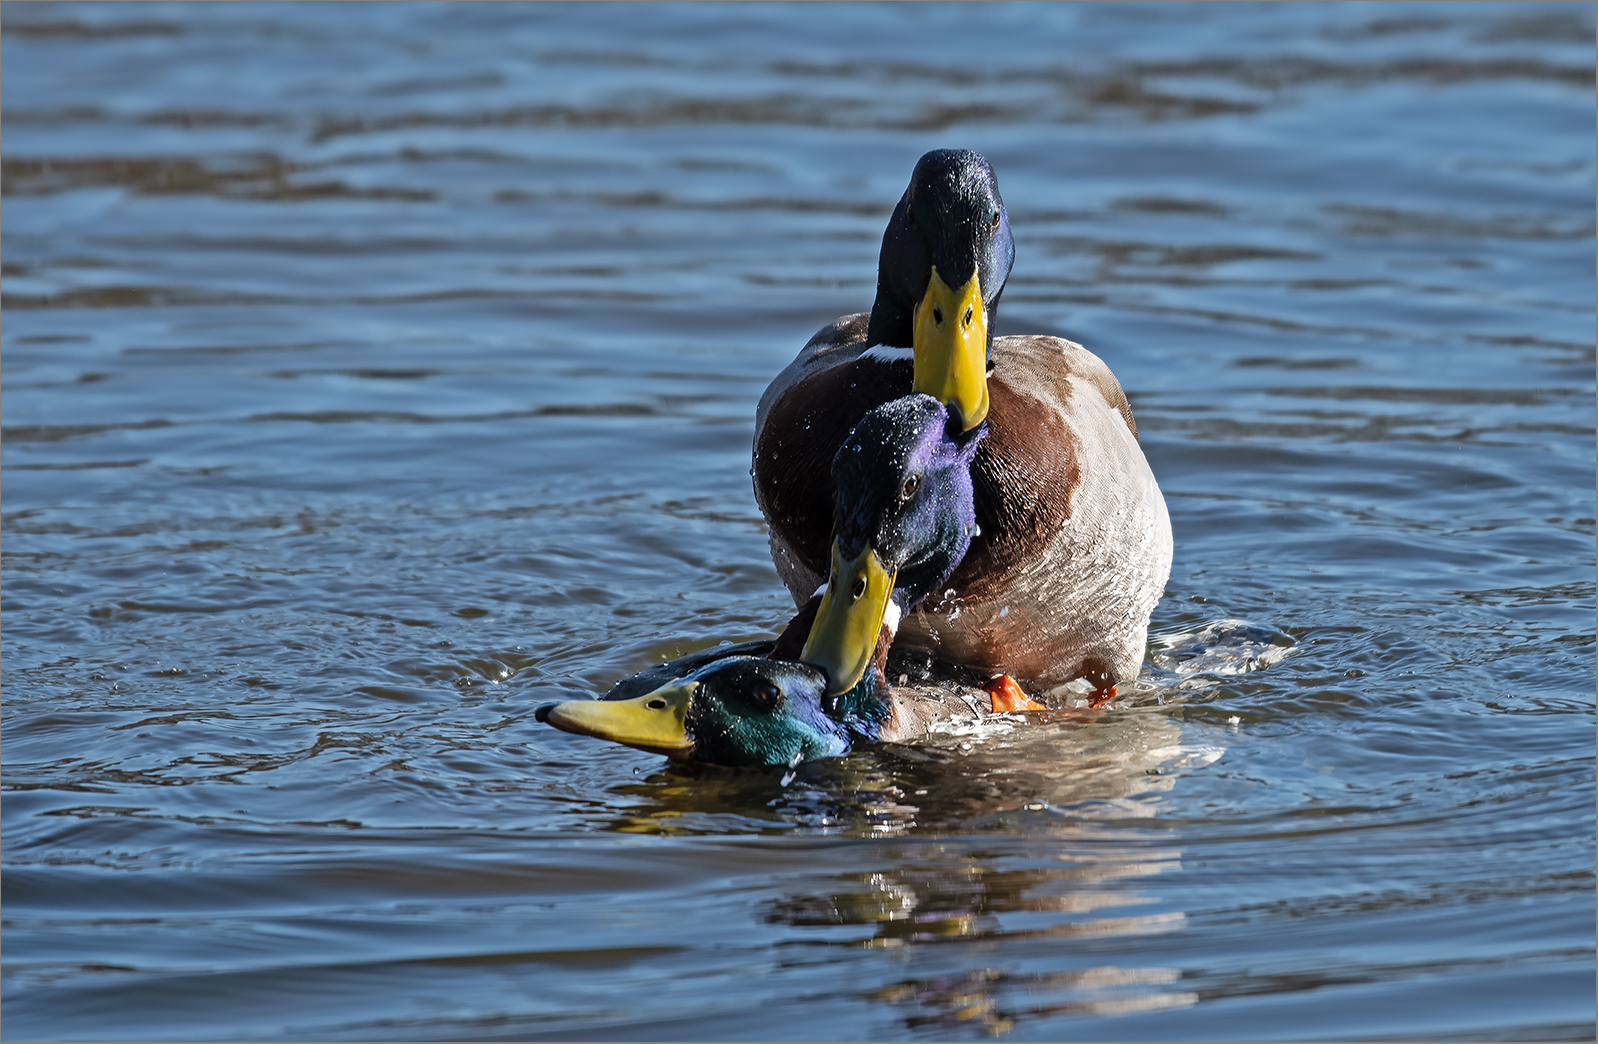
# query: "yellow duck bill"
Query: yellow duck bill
{"points": [[844, 634], [951, 348], [652, 722]]}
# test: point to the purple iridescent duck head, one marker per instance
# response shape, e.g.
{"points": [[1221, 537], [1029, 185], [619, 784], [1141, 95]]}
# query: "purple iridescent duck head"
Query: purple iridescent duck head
{"points": [[903, 520]]}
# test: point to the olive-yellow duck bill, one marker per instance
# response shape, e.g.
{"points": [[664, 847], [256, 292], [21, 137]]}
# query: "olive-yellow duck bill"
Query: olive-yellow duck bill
{"points": [[845, 631], [951, 347], [655, 722]]}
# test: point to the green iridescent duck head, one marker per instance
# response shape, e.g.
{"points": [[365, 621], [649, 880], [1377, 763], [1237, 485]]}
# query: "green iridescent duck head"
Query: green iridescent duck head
{"points": [[741, 710]]}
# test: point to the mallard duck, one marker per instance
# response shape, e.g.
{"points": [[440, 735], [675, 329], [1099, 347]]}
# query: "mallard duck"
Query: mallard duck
{"points": [[1072, 543], [753, 710]]}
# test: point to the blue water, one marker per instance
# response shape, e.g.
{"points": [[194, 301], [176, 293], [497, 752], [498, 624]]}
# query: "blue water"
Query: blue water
{"points": [[373, 374]]}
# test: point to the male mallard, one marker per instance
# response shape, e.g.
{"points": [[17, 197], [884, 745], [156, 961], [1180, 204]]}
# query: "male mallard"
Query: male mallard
{"points": [[752, 710], [1072, 544]]}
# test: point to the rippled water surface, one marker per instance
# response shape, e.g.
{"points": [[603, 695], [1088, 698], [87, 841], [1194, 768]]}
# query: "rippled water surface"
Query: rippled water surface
{"points": [[373, 374]]}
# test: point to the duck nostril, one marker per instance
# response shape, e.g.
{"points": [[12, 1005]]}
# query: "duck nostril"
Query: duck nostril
{"points": [[968, 317], [859, 588], [656, 704], [937, 316]]}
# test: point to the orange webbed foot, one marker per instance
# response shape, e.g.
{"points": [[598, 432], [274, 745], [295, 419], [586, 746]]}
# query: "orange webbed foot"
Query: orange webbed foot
{"points": [[1099, 697], [1008, 696]]}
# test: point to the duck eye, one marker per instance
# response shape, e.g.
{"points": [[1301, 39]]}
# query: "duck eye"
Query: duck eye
{"points": [[911, 484], [909, 215], [766, 694]]}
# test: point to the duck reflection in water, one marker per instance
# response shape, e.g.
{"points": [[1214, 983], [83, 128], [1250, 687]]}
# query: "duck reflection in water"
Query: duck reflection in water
{"points": [[1045, 796], [1040, 897], [925, 898]]}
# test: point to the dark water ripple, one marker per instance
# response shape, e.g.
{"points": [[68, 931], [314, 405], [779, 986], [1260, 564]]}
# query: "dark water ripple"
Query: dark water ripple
{"points": [[374, 374]]}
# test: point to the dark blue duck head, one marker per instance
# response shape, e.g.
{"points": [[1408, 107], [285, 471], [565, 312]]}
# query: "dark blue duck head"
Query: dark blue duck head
{"points": [[902, 522], [946, 255], [741, 710]]}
